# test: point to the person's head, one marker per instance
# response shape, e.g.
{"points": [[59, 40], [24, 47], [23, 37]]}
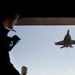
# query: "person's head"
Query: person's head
{"points": [[10, 22], [9, 17], [24, 70]]}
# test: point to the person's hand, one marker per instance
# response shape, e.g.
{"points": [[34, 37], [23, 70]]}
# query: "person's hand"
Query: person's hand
{"points": [[15, 39]]}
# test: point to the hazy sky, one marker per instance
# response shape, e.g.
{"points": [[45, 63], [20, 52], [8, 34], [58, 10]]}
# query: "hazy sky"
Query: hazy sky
{"points": [[38, 52]]}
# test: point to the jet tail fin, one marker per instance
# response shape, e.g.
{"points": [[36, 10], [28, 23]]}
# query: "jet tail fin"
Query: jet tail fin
{"points": [[71, 46], [62, 47]]}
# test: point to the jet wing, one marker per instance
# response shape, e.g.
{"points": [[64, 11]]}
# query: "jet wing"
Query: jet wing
{"points": [[59, 43], [72, 41]]}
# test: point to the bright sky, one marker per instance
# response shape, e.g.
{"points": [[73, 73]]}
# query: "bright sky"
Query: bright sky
{"points": [[38, 52]]}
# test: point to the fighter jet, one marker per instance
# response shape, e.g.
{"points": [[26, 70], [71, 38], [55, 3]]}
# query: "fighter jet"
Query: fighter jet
{"points": [[67, 41]]}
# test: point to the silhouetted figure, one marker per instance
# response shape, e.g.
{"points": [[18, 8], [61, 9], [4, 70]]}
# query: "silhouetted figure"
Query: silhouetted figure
{"points": [[7, 20], [24, 70]]}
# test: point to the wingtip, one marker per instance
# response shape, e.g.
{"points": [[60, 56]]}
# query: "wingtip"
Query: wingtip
{"points": [[55, 43]]}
